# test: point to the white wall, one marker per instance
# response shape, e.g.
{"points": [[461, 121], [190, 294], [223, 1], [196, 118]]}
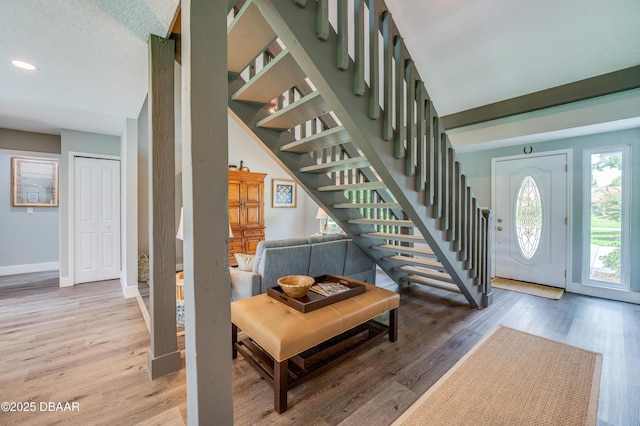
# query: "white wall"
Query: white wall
{"points": [[280, 222]]}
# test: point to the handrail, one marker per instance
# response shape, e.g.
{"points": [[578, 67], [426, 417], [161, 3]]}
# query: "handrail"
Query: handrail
{"points": [[409, 119]]}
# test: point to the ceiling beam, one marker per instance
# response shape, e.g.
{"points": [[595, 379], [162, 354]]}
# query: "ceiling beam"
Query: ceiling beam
{"points": [[605, 84]]}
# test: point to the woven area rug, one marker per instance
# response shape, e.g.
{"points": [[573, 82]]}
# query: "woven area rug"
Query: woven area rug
{"points": [[528, 288], [514, 378]]}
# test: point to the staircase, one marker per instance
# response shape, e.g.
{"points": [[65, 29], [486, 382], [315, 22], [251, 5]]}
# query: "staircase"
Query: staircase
{"points": [[369, 148]]}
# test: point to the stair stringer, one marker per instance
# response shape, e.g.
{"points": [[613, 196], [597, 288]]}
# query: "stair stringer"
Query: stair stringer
{"points": [[296, 28], [247, 115]]}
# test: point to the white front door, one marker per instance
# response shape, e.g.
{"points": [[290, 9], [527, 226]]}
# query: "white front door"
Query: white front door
{"points": [[97, 219], [530, 223]]}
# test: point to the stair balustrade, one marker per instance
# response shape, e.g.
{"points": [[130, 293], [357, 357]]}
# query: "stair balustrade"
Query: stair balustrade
{"points": [[362, 201]]}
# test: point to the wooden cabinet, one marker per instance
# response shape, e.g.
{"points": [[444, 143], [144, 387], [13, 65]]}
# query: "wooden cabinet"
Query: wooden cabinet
{"points": [[246, 212]]}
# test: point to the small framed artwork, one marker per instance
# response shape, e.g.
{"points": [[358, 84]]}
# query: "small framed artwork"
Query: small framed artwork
{"points": [[34, 181], [283, 193]]}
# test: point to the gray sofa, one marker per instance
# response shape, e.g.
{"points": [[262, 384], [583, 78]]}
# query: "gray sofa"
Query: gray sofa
{"points": [[333, 254]]}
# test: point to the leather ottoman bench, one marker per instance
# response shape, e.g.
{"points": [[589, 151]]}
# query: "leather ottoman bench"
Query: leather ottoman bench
{"points": [[288, 347]]}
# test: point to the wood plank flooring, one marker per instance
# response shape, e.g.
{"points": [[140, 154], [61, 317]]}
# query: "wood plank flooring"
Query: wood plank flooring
{"points": [[87, 344]]}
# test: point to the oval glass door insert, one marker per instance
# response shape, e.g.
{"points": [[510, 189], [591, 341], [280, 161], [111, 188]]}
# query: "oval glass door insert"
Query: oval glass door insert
{"points": [[528, 217]]}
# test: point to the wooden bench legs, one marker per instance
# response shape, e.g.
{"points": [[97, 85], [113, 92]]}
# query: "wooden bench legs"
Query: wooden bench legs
{"points": [[393, 325], [277, 372], [234, 340], [280, 385]]}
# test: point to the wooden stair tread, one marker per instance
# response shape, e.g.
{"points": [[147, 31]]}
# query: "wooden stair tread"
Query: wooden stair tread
{"points": [[353, 186], [431, 283], [395, 237], [334, 166], [304, 109], [407, 250], [279, 75], [328, 138], [430, 263], [386, 222], [366, 206], [427, 273], [248, 35]]}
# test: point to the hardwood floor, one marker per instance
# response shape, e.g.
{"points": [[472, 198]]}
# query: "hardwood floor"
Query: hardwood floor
{"points": [[88, 345]]}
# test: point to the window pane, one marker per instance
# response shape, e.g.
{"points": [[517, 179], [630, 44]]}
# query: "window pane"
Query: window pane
{"points": [[528, 217], [606, 217]]}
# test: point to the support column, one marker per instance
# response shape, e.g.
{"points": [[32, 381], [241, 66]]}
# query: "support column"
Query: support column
{"points": [[205, 202], [164, 356]]}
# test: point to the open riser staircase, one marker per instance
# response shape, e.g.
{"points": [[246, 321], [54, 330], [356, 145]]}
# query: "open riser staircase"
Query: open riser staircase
{"points": [[374, 156]]}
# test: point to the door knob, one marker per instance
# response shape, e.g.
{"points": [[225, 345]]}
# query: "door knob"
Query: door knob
{"points": [[499, 228], [499, 220]]}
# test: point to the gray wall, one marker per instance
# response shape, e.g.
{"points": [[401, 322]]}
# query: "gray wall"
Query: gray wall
{"points": [[143, 179], [477, 166], [81, 142], [28, 239]]}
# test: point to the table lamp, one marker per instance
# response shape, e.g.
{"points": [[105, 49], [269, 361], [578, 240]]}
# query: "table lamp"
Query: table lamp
{"points": [[322, 215]]}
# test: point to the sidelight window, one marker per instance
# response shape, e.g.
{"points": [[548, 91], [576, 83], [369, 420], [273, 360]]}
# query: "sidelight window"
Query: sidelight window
{"points": [[606, 214]]}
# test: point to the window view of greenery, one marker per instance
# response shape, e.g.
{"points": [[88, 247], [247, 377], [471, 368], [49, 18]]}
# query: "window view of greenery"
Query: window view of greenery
{"points": [[606, 216]]}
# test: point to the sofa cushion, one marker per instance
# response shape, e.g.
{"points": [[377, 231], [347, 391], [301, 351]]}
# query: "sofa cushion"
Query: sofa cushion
{"points": [[245, 261], [244, 284], [327, 258], [357, 263], [262, 245], [326, 237], [280, 261]]}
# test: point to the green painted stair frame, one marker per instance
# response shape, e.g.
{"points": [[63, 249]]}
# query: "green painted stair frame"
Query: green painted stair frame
{"points": [[377, 160]]}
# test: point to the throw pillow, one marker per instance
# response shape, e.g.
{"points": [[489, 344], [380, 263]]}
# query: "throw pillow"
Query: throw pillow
{"points": [[245, 261]]}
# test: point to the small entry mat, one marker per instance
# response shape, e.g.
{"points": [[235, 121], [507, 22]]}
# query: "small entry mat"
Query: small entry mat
{"points": [[528, 288]]}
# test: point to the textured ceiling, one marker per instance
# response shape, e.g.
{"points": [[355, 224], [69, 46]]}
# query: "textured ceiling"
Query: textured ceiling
{"points": [[92, 54], [92, 59]]}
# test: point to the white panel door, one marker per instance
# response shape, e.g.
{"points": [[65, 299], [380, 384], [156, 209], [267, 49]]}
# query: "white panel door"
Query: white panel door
{"points": [[97, 219], [530, 219]]}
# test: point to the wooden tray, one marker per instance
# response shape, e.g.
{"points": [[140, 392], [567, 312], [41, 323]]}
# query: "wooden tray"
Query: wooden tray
{"points": [[312, 300]]}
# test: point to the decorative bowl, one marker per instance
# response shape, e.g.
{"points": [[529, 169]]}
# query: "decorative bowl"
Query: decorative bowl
{"points": [[295, 285]]}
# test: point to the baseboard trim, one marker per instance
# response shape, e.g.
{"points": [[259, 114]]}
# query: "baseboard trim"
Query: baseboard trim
{"points": [[129, 291], [29, 268]]}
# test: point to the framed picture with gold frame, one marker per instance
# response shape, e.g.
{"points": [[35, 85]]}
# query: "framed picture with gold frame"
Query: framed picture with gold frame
{"points": [[35, 181], [283, 193]]}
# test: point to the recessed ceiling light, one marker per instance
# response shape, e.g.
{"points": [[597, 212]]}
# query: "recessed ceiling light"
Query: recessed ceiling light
{"points": [[24, 65]]}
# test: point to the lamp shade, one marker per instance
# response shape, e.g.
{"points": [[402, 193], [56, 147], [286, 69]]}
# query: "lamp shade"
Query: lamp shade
{"points": [[180, 233], [321, 214]]}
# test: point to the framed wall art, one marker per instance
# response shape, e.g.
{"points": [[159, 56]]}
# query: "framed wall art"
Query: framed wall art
{"points": [[283, 193], [35, 181]]}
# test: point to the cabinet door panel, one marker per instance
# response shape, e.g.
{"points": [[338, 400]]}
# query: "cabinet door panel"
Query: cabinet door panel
{"points": [[251, 244], [254, 192], [235, 203], [253, 215]]}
